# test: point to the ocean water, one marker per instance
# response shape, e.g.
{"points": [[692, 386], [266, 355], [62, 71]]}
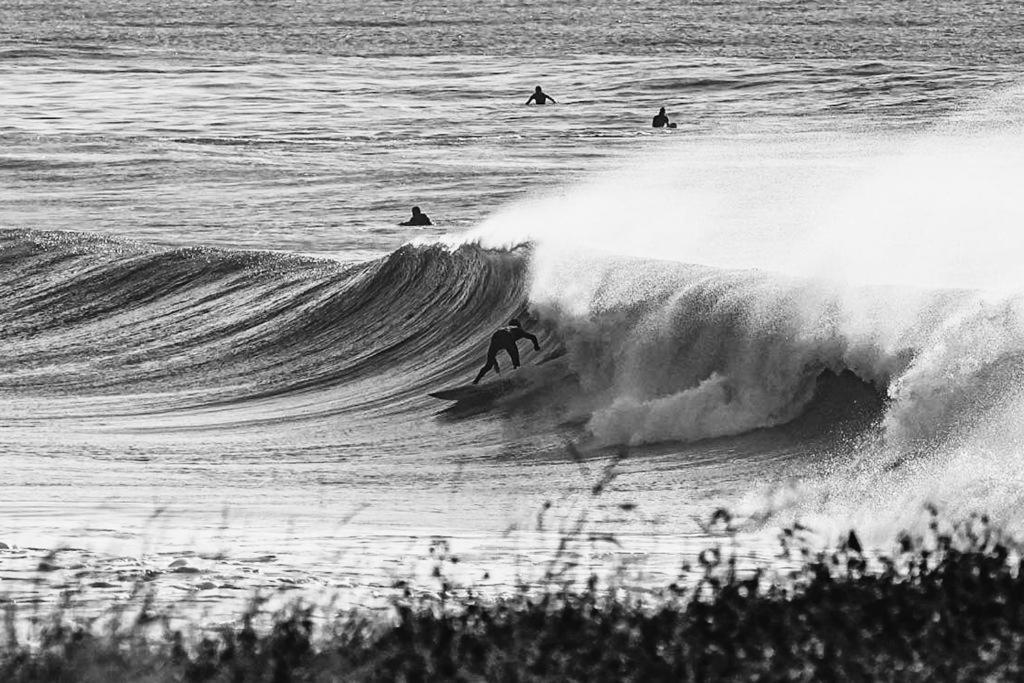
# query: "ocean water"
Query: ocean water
{"points": [[217, 343]]}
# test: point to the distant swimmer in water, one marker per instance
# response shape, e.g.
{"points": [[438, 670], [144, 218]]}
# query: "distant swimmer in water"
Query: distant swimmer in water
{"points": [[506, 338], [540, 97], [661, 120], [418, 218]]}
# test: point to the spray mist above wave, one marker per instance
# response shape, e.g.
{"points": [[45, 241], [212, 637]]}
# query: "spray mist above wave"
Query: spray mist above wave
{"points": [[936, 208], [892, 255]]}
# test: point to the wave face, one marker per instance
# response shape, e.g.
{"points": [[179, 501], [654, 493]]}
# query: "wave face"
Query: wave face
{"points": [[192, 328]]}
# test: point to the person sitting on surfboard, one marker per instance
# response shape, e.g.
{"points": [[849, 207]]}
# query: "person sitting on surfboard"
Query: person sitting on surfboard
{"points": [[661, 120], [540, 97], [506, 338], [418, 218]]}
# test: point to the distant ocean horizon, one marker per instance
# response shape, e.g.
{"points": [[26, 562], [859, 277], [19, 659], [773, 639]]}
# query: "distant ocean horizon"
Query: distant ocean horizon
{"points": [[217, 342]]}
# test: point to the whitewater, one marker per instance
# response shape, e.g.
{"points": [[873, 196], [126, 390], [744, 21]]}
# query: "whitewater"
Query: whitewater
{"points": [[216, 342]]}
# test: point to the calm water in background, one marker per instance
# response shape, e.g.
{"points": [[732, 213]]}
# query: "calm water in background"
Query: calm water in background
{"points": [[314, 126], [310, 129]]}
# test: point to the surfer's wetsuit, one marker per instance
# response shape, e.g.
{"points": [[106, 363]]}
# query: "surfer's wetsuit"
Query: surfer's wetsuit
{"points": [[505, 338], [540, 97], [418, 218]]}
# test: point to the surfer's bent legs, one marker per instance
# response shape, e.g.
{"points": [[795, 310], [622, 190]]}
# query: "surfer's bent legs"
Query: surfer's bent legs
{"points": [[513, 351], [492, 357], [492, 360]]}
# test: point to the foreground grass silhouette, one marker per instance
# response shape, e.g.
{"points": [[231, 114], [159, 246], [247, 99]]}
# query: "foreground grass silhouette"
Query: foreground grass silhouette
{"points": [[944, 606]]}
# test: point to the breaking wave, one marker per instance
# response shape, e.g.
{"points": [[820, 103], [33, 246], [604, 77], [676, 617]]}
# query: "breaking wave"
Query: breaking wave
{"points": [[674, 352], [647, 351]]}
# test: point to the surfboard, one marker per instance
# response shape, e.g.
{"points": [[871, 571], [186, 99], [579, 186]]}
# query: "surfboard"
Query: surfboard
{"points": [[457, 393], [477, 392]]}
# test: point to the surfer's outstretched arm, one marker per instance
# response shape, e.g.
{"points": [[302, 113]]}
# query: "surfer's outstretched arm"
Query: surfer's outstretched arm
{"points": [[519, 333], [523, 334]]}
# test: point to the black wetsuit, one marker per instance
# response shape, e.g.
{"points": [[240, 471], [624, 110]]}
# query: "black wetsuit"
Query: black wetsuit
{"points": [[418, 219], [540, 98], [660, 121], [505, 338]]}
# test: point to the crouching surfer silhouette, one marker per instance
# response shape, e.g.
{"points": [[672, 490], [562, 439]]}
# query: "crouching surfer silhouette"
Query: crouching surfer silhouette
{"points": [[506, 338]]}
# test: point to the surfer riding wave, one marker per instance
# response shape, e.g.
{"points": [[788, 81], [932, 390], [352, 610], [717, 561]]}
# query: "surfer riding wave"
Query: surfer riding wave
{"points": [[506, 338]]}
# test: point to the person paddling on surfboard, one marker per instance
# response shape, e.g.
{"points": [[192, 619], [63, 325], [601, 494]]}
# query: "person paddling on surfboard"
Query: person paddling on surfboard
{"points": [[506, 338], [540, 97], [661, 120], [418, 218]]}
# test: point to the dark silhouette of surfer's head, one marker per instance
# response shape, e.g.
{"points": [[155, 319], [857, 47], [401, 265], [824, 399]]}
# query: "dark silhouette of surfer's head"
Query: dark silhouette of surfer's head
{"points": [[661, 112], [418, 218], [514, 322], [538, 90]]}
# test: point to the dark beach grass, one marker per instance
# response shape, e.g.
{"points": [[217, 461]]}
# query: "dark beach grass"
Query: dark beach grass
{"points": [[942, 606]]}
